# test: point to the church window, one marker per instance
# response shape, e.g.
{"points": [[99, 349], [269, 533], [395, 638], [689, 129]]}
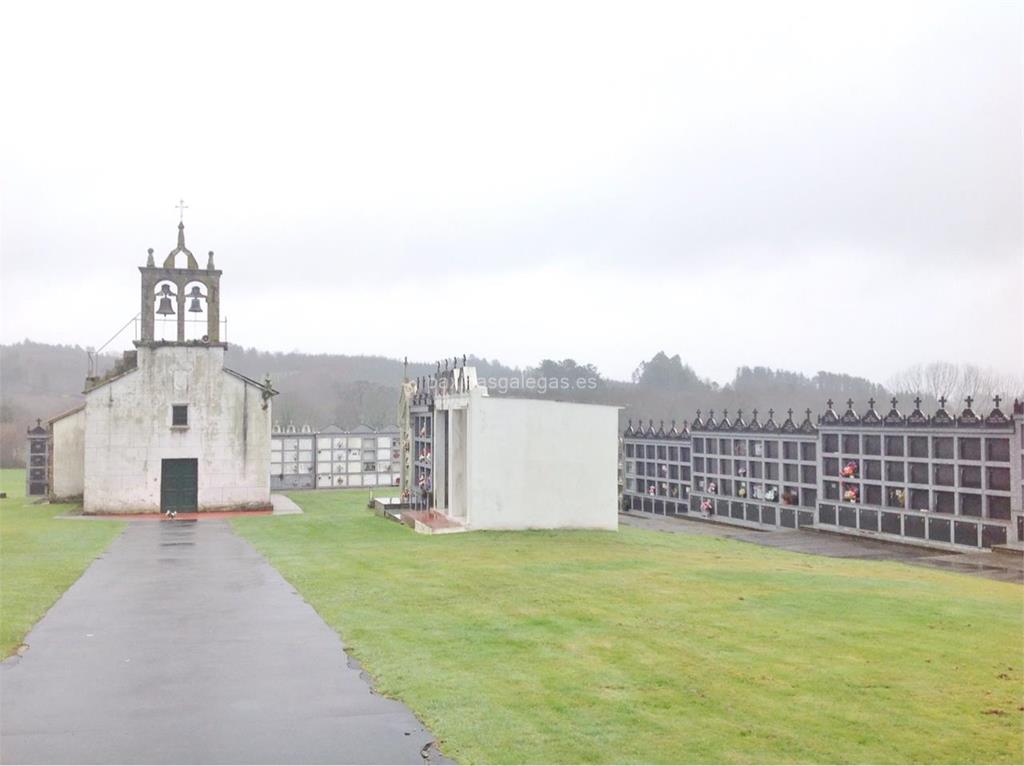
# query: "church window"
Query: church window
{"points": [[179, 415]]}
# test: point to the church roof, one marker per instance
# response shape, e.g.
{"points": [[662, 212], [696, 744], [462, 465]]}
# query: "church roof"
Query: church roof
{"points": [[68, 413]]}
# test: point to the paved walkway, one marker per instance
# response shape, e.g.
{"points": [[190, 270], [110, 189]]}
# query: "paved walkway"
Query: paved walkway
{"points": [[993, 566], [182, 645]]}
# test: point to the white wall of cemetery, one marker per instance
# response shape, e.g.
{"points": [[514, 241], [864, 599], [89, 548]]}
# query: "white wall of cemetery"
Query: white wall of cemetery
{"points": [[539, 464], [128, 433]]}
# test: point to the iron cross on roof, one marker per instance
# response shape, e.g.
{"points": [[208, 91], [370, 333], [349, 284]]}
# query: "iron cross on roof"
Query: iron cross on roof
{"points": [[181, 207]]}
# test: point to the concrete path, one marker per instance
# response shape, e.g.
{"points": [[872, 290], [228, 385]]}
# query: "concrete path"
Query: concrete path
{"points": [[993, 566], [182, 645], [284, 505]]}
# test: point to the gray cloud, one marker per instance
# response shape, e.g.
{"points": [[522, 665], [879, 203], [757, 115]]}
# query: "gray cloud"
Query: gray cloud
{"points": [[864, 161]]}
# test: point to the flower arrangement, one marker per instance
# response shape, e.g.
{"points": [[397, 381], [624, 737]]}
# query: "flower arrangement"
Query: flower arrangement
{"points": [[849, 471], [742, 491], [772, 495], [850, 494]]}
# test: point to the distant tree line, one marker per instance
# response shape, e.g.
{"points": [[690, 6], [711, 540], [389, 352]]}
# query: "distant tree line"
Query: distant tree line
{"points": [[38, 380]]}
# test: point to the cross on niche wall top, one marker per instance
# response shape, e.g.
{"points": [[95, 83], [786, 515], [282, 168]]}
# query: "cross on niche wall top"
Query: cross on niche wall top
{"points": [[181, 207]]}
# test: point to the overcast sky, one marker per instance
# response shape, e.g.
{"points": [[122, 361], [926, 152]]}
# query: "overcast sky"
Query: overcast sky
{"points": [[807, 186]]}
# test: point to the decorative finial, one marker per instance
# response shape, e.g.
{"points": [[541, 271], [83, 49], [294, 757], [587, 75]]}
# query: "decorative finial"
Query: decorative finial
{"points": [[893, 402], [209, 262], [149, 259], [790, 413], [754, 411], [997, 398], [771, 413], [849, 404], [808, 413], [698, 414], [917, 402], [829, 403], [463, 360], [181, 207], [871, 402], [969, 400], [942, 402]]}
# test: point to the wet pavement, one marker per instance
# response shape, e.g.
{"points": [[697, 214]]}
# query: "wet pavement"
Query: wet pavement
{"points": [[181, 644], [994, 566]]}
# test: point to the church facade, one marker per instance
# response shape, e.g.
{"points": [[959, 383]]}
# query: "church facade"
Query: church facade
{"points": [[169, 428]]}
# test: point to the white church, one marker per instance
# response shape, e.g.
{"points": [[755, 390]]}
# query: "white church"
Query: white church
{"points": [[169, 428]]}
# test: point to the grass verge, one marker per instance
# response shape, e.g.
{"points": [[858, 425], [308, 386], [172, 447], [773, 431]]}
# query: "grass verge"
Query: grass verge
{"points": [[40, 556], [638, 646]]}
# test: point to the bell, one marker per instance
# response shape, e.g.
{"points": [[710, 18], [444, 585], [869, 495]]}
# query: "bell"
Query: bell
{"points": [[165, 307], [195, 294]]}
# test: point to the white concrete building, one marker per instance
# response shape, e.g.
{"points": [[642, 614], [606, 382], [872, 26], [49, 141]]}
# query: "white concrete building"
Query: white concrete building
{"points": [[169, 427], [504, 463]]}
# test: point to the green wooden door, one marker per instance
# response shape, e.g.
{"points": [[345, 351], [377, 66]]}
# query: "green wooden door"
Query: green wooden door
{"points": [[179, 485]]}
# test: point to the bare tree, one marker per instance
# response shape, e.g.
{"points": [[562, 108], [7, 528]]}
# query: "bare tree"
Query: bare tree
{"points": [[908, 381], [956, 382]]}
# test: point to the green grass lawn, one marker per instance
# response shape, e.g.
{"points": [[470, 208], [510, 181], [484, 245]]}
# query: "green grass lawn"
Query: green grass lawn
{"points": [[40, 557], [641, 646]]}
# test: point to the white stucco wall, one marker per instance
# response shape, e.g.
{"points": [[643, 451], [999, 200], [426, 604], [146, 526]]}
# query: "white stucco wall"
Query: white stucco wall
{"points": [[68, 444], [537, 464], [128, 433]]}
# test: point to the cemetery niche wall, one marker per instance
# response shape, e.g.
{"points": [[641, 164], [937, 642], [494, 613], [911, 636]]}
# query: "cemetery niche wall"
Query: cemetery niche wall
{"points": [[942, 480], [304, 458]]}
